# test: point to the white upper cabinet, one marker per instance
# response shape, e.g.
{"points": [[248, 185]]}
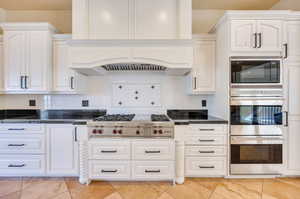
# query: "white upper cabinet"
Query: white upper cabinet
{"points": [[109, 19], [202, 78], [65, 80], [292, 53], [155, 19], [132, 19], [242, 35], [27, 57], [1, 65], [256, 35]]}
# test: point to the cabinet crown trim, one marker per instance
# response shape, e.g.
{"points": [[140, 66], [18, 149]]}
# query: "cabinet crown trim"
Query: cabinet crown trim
{"points": [[36, 26]]}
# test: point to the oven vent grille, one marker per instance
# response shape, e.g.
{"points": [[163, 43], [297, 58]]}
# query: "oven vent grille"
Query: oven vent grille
{"points": [[133, 67]]}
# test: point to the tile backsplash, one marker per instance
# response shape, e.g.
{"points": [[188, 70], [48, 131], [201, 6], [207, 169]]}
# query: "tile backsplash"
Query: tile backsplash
{"points": [[169, 93]]}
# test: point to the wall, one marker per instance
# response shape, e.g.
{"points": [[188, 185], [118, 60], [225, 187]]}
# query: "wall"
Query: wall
{"points": [[287, 5], [62, 20], [2, 15], [204, 20]]}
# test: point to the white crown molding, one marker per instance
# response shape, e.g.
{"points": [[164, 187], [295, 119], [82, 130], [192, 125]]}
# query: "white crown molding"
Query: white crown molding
{"points": [[62, 37], [32, 26], [204, 37]]}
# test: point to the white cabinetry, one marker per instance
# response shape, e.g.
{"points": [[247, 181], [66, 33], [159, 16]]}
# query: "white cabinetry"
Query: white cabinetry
{"points": [[65, 80], [202, 78], [206, 150], [256, 35], [132, 19], [27, 57], [293, 40], [62, 150], [1, 65]]}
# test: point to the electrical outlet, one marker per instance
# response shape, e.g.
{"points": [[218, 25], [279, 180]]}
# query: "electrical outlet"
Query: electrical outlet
{"points": [[32, 103], [204, 103], [85, 103]]}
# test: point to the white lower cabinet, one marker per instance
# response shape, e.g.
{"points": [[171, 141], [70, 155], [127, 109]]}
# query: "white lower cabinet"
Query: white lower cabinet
{"points": [[206, 150], [131, 159], [62, 150]]}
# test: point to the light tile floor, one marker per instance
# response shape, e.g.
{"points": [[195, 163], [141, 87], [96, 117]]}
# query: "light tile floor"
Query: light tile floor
{"points": [[194, 188]]}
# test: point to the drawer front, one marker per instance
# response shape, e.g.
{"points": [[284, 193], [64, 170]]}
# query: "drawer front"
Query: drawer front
{"points": [[109, 170], [22, 128], [196, 129], [25, 165], [153, 150], [199, 166], [207, 140], [22, 144], [204, 151], [109, 150], [153, 170]]}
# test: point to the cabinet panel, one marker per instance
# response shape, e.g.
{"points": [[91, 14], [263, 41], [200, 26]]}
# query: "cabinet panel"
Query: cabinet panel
{"points": [[155, 19], [62, 150], [271, 35], [294, 90], [293, 41], [1, 66], [14, 59], [109, 19], [242, 35], [293, 146]]}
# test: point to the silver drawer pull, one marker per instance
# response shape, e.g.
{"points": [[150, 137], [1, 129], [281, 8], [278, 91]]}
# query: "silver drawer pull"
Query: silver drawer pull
{"points": [[109, 171], [16, 145], [152, 151], [113, 151], [152, 171], [16, 165], [206, 151], [206, 129], [207, 140], [14, 129], [206, 167]]}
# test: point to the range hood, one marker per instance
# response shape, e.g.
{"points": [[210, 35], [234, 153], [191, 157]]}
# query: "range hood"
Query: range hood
{"points": [[100, 57]]}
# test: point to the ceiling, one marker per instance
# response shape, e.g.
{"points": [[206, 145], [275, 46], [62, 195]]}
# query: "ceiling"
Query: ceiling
{"points": [[197, 4]]}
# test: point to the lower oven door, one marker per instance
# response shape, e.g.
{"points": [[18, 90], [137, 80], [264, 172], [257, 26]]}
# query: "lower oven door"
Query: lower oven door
{"points": [[256, 155]]}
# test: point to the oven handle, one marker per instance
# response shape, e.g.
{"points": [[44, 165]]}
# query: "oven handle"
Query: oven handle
{"points": [[259, 140], [286, 119]]}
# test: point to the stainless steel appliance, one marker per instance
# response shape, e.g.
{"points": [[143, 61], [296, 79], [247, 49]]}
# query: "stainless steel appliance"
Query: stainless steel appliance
{"points": [[257, 125], [256, 71], [131, 125]]}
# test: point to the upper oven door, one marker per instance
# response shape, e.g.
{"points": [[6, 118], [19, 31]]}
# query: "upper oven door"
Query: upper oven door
{"points": [[256, 71]]}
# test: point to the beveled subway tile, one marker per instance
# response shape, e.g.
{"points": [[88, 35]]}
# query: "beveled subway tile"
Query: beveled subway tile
{"points": [[277, 189], [238, 189], [10, 185], [136, 190], [42, 188], [95, 190]]}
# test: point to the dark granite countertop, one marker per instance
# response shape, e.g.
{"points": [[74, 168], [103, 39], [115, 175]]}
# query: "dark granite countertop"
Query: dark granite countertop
{"points": [[44, 121], [209, 120]]}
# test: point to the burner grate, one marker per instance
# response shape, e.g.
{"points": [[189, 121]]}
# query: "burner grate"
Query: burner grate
{"points": [[116, 117], [159, 118]]}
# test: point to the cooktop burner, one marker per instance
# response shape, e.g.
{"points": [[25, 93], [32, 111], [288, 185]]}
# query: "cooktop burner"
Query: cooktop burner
{"points": [[159, 118], [116, 117]]}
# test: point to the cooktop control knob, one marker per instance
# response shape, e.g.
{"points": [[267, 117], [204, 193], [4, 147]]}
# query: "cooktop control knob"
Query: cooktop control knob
{"points": [[120, 132], [160, 132], [155, 131], [94, 131], [138, 132], [99, 131], [115, 131]]}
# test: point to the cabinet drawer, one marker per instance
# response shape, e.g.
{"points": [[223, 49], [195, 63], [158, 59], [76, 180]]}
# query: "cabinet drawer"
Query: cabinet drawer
{"points": [[153, 170], [206, 140], [196, 129], [205, 151], [25, 165], [109, 150], [22, 128], [199, 166], [22, 144], [109, 170], [153, 150]]}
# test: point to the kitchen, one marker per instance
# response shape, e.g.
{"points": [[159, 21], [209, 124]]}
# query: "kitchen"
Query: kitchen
{"points": [[131, 100]]}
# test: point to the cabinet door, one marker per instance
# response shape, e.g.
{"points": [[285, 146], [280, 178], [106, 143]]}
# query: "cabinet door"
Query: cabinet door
{"points": [[242, 35], [14, 59], [293, 147], [293, 41], [204, 67], [270, 32], [293, 89], [38, 61], [62, 150], [109, 19], [1, 67], [155, 19]]}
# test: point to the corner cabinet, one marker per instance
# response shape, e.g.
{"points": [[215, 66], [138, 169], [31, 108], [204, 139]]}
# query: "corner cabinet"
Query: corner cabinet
{"points": [[257, 35], [27, 57], [62, 150], [202, 78], [65, 80], [132, 19]]}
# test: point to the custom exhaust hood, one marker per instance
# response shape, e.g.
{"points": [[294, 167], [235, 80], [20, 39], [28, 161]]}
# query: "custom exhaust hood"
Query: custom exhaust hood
{"points": [[100, 57]]}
